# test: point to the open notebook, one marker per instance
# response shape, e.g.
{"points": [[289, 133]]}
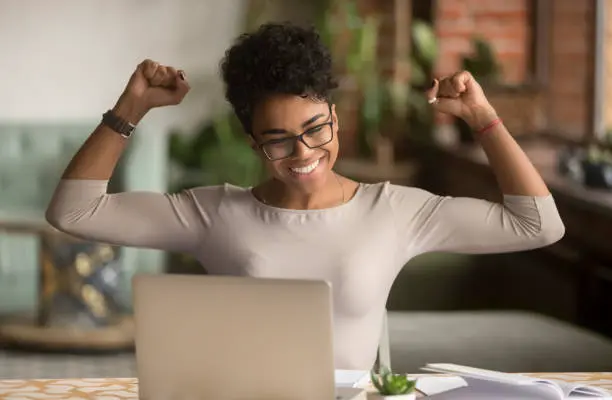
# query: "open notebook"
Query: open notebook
{"points": [[485, 384]]}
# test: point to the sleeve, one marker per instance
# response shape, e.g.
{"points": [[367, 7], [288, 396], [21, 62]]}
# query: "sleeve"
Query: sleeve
{"points": [[427, 222], [172, 222]]}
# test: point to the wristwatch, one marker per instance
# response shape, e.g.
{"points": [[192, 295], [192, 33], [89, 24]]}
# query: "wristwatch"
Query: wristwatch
{"points": [[118, 124]]}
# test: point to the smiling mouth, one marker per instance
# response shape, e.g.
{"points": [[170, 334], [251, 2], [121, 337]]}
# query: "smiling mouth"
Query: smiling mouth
{"points": [[307, 169]]}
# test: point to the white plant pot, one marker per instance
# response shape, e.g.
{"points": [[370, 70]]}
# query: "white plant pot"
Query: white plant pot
{"points": [[378, 396]]}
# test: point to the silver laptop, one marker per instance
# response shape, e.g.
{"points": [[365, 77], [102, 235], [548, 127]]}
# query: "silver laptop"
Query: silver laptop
{"points": [[230, 338]]}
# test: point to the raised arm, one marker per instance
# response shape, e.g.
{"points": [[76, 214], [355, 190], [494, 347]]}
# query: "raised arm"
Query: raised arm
{"points": [[528, 217], [461, 96], [81, 205], [427, 222]]}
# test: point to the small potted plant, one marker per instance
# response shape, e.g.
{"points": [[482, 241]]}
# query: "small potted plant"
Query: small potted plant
{"points": [[392, 386], [597, 168]]}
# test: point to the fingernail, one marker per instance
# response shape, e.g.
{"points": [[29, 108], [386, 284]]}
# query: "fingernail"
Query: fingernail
{"points": [[182, 75]]}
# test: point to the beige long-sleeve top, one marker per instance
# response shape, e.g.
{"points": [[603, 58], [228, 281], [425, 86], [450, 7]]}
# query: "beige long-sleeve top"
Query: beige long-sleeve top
{"points": [[359, 247]]}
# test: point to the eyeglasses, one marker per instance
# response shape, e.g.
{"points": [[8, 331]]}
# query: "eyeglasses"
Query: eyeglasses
{"points": [[317, 136]]}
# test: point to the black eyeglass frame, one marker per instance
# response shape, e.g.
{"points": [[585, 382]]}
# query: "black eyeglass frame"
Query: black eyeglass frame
{"points": [[299, 137]]}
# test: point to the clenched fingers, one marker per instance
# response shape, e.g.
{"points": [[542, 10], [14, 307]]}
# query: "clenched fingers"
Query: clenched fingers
{"points": [[159, 75]]}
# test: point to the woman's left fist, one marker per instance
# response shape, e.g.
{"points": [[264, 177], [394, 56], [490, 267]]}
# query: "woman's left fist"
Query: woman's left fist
{"points": [[461, 96]]}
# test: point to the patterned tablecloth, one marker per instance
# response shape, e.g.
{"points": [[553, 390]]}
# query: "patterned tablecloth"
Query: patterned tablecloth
{"points": [[127, 388]]}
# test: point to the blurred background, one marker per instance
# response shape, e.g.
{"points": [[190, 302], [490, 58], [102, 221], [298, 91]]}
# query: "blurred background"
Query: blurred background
{"points": [[65, 308]]}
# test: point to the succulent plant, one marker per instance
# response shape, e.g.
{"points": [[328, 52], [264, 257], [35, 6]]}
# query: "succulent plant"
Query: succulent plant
{"points": [[389, 384]]}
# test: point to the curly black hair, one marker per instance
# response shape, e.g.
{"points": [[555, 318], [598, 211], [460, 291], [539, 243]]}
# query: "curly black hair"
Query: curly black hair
{"points": [[278, 58]]}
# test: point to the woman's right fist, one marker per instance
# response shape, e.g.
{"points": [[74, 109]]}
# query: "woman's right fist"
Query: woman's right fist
{"points": [[153, 85]]}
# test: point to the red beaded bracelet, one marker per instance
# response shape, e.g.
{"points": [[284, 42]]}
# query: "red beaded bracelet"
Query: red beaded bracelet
{"points": [[493, 123]]}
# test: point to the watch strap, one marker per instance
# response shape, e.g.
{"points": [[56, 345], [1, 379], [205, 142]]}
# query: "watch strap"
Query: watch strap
{"points": [[118, 124]]}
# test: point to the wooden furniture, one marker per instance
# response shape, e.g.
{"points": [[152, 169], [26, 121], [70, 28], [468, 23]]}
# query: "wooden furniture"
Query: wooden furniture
{"points": [[127, 388], [27, 334]]}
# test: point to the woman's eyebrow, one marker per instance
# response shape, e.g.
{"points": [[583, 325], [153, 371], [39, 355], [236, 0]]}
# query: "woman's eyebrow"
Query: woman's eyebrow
{"points": [[311, 120], [283, 131]]}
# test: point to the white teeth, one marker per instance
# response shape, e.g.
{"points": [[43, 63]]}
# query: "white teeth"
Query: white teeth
{"points": [[307, 169]]}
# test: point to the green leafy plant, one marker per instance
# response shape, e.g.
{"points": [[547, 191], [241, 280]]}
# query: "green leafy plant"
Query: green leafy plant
{"points": [[607, 139], [597, 154], [424, 55], [354, 40], [424, 52], [483, 64], [385, 103], [217, 153], [389, 384]]}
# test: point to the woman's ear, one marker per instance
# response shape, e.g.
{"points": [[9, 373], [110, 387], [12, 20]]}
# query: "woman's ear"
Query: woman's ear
{"points": [[334, 117], [252, 142]]}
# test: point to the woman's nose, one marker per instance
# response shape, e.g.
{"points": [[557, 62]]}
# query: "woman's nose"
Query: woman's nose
{"points": [[301, 150]]}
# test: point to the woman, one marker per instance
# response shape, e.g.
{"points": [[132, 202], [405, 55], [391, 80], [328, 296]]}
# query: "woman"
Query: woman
{"points": [[306, 221]]}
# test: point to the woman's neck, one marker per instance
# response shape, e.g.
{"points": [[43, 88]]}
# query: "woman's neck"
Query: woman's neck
{"points": [[277, 194]]}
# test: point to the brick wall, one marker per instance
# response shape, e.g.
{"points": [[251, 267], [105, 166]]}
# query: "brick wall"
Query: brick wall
{"points": [[608, 69], [564, 103], [505, 25], [565, 107], [570, 88], [501, 22]]}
